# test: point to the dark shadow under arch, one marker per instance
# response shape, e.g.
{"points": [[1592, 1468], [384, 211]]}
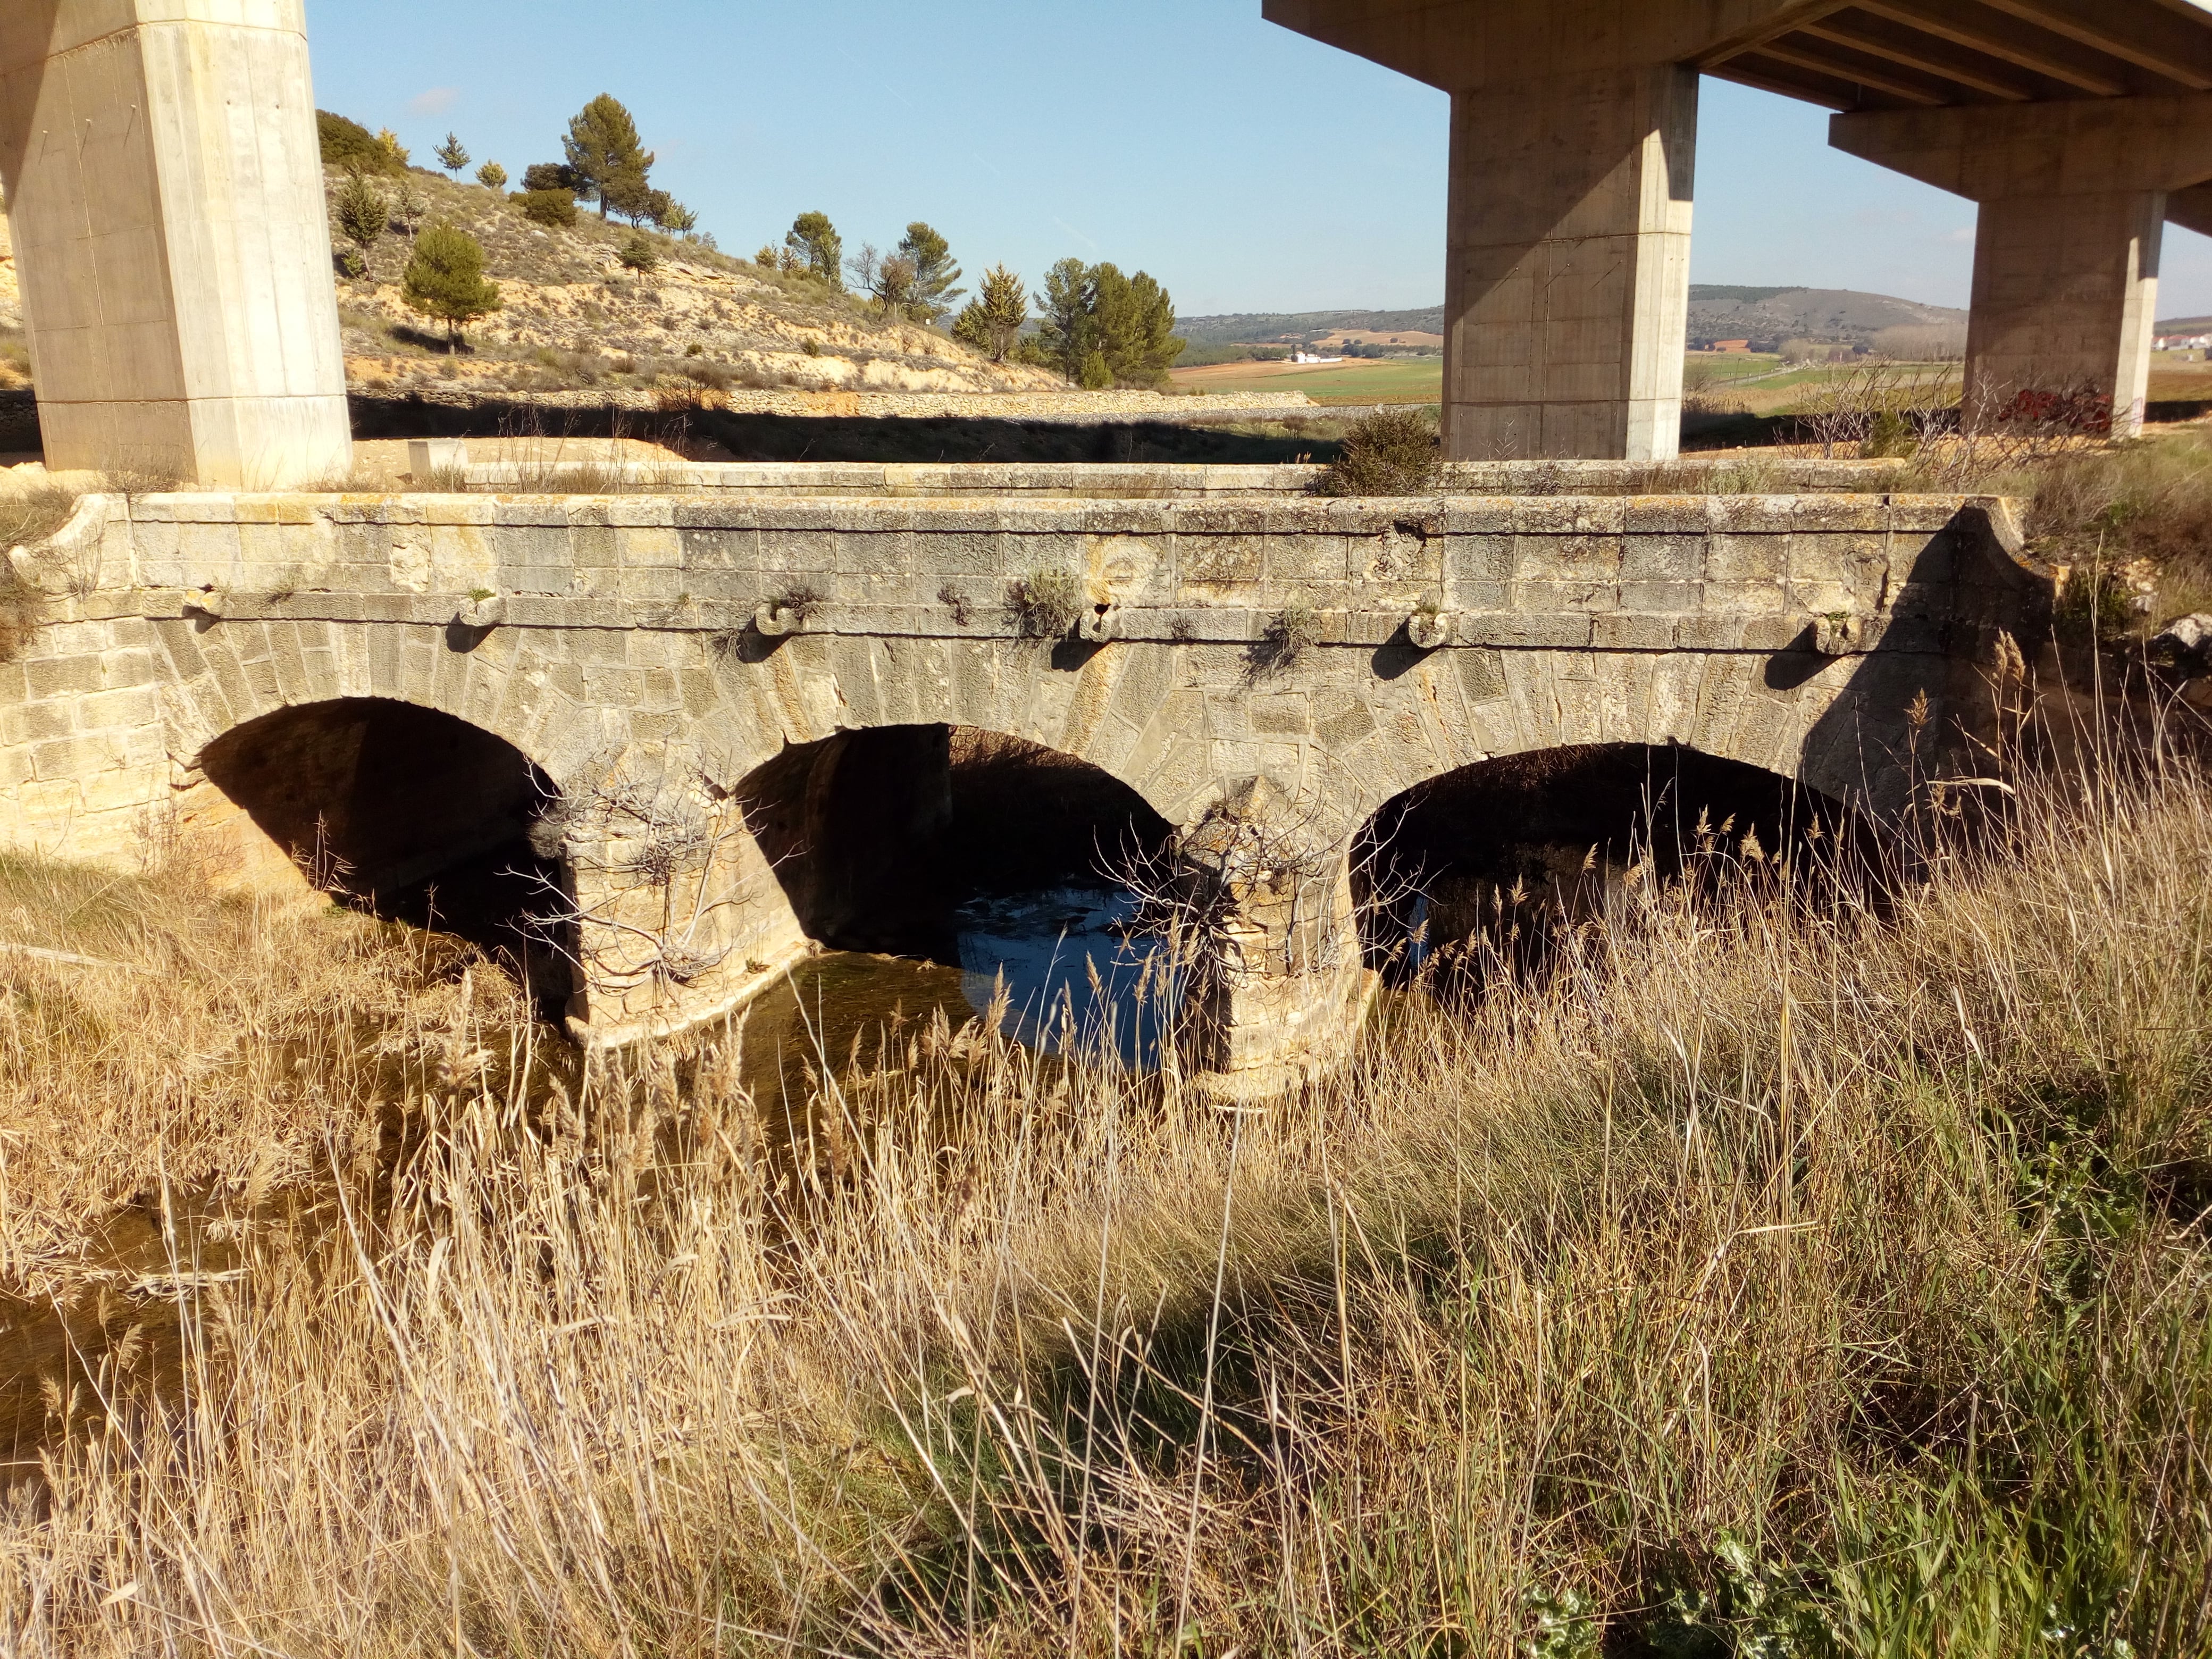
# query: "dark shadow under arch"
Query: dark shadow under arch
{"points": [[878, 835], [1534, 838], [408, 813]]}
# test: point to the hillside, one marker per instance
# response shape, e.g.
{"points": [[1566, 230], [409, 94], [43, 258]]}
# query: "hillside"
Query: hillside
{"points": [[1278, 327], [1841, 315], [1716, 312], [572, 316]]}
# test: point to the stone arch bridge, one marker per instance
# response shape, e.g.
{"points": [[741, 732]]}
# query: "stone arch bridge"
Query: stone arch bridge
{"points": [[1252, 660]]}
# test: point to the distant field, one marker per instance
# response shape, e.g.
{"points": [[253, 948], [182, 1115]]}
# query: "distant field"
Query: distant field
{"points": [[1402, 380], [1760, 385]]}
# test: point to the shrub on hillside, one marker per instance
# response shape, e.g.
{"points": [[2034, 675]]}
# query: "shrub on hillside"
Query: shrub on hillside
{"points": [[549, 175], [637, 253], [547, 206], [993, 322], [1394, 453], [348, 144], [492, 176]]}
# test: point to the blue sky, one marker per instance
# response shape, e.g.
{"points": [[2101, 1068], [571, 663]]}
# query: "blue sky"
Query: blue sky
{"points": [[1247, 168]]}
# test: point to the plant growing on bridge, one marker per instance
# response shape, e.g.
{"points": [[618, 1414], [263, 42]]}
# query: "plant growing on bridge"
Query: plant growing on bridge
{"points": [[1044, 604], [801, 599], [1393, 453], [445, 279], [1283, 641]]}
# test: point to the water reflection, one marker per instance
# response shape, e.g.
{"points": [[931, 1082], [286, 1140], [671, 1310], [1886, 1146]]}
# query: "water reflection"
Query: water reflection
{"points": [[1061, 969], [1074, 972]]}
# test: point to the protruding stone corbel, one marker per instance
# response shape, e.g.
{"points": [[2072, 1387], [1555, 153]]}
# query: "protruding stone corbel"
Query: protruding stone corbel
{"points": [[1836, 634], [207, 601], [785, 613], [481, 610], [1099, 623], [1430, 629]]}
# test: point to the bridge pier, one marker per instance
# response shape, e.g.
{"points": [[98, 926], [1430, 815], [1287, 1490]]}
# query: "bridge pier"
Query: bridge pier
{"points": [[2074, 198], [1274, 986], [164, 180], [1567, 274]]}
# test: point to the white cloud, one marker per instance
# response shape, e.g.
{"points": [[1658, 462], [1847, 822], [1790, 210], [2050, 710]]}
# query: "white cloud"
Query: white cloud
{"points": [[436, 102], [1964, 233]]}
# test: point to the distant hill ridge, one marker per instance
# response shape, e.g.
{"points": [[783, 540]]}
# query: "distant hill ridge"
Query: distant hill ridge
{"points": [[1717, 311], [1273, 327]]}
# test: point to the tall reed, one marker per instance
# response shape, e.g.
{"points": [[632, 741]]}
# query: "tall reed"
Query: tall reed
{"points": [[1773, 1273]]}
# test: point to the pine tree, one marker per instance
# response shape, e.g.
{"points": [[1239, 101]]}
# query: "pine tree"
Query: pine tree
{"points": [[452, 155], [1134, 323], [992, 321], [627, 192], [814, 241], [446, 280], [603, 148], [934, 273], [1065, 333], [363, 216], [492, 176], [407, 203]]}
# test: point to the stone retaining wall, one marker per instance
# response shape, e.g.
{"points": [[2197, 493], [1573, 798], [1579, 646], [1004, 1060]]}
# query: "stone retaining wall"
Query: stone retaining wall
{"points": [[1173, 481]]}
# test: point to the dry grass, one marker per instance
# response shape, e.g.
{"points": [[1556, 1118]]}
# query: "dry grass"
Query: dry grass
{"points": [[1839, 1280], [27, 517]]}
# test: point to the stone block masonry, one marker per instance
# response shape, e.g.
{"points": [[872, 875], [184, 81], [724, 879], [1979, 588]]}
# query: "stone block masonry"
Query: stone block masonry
{"points": [[599, 634]]}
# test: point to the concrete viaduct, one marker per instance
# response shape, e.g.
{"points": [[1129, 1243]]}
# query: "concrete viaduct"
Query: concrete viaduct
{"points": [[680, 672], [164, 183], [2079, 126]]}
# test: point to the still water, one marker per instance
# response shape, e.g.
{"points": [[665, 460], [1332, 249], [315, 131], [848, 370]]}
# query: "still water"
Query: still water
{"points": [[1061, 969]]}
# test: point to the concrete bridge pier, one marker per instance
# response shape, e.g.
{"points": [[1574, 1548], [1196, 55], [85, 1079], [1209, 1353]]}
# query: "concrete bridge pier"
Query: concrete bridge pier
{"points": [[1567, 268], [164, 180], [2074, 199]]}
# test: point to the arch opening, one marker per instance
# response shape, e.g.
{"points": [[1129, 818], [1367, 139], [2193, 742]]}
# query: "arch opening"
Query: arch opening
{"points": [[1476, 869], [995, 859], [409, 814]]}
